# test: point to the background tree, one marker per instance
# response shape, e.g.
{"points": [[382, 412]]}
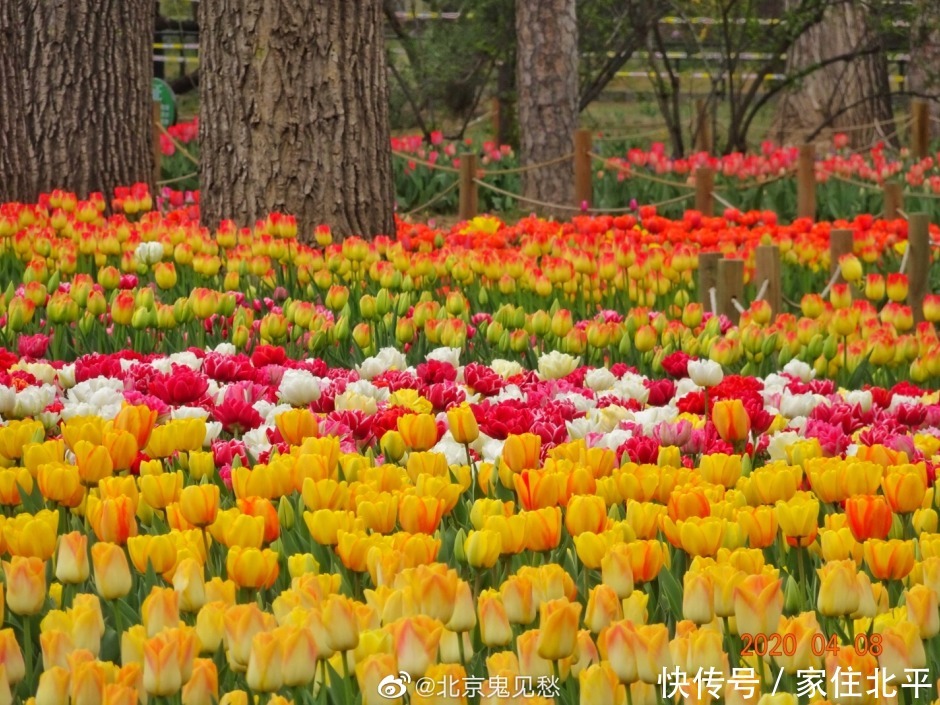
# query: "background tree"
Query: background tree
{"points": [[838, 93], [294, 106], [547, 85], [924, 74], [83, 72], [17, 170]]}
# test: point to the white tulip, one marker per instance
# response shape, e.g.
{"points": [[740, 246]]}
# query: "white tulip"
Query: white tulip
{"points": [[705, 373]]}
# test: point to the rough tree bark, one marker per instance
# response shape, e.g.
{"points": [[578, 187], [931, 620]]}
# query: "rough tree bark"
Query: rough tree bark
{"points": [[294, 100], [844, 94], [923, 77], [547, 85], [87, 96], [17, 170]]}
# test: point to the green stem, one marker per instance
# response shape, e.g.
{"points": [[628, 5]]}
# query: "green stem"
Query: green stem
{"points": [[118, 626], [205, 542], [347, 680], [28, 647]]}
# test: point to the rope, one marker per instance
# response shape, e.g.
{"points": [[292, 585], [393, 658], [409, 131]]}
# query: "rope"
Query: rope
{"points": [[902, 213], [524, 199], [632, 136], [763, 290], [557, 206], [434, 200], [430, 165], [670, 201], [530, 167], [648, 177], [176, 143], [165, 182], [872, 187], [722, 201], [853, 182]]}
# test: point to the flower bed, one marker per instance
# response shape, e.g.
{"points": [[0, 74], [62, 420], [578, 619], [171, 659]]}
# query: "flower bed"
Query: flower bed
{"points": [[457, 466]]}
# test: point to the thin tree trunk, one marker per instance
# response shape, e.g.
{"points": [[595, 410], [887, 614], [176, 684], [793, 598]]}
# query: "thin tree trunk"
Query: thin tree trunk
{"points": [[924, 67], [17, 168], [547, 84], [294, 114], [843, 95], [88, 100], [506, 101]]}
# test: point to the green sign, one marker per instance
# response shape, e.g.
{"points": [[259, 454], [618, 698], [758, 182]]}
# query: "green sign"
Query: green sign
{"points": [[163, 94]]}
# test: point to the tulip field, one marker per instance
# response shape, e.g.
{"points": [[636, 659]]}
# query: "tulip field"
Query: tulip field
{"points": [[488, 463]]}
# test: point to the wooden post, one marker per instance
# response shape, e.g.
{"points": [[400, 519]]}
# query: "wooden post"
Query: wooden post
{"points": [[806, 183], [583, 184], [730, 287], [704, 141], [704, 185], [468, 189], [767, 261], [920, 128], [893, 200], [155, 137], [841, 242], [707, 277], [918, 263]]}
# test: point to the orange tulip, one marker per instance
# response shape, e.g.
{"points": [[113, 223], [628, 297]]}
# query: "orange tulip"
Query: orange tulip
{"points": [[252, 568], [543, 529], [420, 514], [731, 420], [160, 610], [265, 663], [463, 424], [558, 629], [521, 452], [889, 560], [758, 604], [162, 676], [495, 629], [868, 516], [264, 508], [339, 618], [122, 447], [112, 574], [114, 520], [296, 425], [94, 462], [25, 585], [199, 504], [416, 640], [418, 430], [202, 688], [586, 513], [61, 484], [138, 421], [905, 487], [71, 564], [240, 624], [159, 491], [839, 593], [617, 645]]}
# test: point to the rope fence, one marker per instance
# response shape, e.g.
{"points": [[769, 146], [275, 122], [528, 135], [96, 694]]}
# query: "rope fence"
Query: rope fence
{"points": [[434, 200]]}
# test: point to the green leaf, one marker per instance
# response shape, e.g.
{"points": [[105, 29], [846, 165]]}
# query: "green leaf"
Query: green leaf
{"points": [[672, 591]]}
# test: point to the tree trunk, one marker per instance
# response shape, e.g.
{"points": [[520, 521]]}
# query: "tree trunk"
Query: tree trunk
{"points": [[547, 84], [924, 67], [17, 169], [842, 95], [294, 114], [88, 95]]}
